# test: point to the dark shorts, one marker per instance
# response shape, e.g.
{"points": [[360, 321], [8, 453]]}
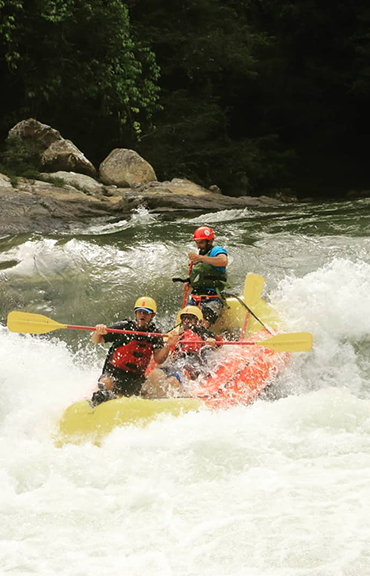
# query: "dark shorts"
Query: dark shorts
{"points": [[125, 383]]}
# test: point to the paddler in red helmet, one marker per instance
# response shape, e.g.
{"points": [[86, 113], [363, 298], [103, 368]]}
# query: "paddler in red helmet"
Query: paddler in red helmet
{"points": [[129, 355], [188, 358], [208, 275]]}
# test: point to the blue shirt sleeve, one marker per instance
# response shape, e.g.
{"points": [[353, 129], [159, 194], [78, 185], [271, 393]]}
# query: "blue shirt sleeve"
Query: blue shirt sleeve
{"points": [[216, 250]]}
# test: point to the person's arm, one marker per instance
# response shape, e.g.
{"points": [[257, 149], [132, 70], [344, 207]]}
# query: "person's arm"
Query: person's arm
{"points": [[98, 336], [219, 260], [102, 336], [161, 354], [209, 337]]}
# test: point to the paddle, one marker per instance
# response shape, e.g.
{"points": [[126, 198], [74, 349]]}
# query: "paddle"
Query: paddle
{"points": [[292, 342], [186, 287], [252, 293], [253, 288], [28, 323]]}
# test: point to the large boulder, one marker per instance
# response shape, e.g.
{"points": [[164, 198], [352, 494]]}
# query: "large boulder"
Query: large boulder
{"points": [[64, 155], [31, 131], [125, 168], [49, 149]]}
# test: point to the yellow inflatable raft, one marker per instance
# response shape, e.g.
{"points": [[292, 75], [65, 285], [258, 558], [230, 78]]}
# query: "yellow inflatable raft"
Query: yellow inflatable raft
{"points": [[81, 422]]}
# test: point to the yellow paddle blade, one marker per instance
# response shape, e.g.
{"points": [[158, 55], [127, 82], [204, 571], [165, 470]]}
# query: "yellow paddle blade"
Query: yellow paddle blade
{"points": [[293, 342], [253, 289], [28, 323]]}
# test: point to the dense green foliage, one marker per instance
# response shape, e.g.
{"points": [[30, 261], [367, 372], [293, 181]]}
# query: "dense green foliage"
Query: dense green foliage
{"points": [[207, 54], [252, 95], [76, 65]]}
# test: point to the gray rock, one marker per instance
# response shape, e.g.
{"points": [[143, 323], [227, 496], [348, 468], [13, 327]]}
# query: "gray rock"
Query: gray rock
{"points": [[5, 181], [64, 155], [78, 181], [36, 206], [177, 186], [41, 207], [31, 130], [125, 168]]}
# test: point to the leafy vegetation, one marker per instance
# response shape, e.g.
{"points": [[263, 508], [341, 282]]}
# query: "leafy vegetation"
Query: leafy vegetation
{"points": [[19, 159], [250, 95], [76, 65]]}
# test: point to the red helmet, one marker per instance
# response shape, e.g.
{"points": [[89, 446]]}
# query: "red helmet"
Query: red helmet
{"points": [[204, 233]]}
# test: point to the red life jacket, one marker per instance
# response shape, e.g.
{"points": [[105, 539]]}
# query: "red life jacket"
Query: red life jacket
{"points": [[132, 357], [192, 347]]}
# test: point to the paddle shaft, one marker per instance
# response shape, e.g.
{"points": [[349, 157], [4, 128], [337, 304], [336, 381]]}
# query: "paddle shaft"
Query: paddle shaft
{"points": [[269, 342], [252, 313], [93, 329], [293, 342], [225, 342], [218, 342], [186, 287], [244, 329], [28, 323]]}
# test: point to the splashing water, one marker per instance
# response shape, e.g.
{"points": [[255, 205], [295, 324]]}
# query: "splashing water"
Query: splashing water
{"points": [[279, 488]]}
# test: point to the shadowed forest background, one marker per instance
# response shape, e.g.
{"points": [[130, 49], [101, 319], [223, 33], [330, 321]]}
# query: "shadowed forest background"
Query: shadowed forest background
{"points": [[250, 95]]}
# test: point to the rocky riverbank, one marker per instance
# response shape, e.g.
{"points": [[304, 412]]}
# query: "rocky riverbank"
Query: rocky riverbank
{"points": [[63, 198], [38, 206]]}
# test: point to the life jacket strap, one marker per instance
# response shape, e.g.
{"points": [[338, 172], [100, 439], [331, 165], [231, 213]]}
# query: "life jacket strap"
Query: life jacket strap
{"points": [[199, 297]]}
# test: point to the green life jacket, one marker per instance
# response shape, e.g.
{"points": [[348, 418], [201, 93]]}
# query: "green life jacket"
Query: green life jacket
{"points": [[205, 276]]}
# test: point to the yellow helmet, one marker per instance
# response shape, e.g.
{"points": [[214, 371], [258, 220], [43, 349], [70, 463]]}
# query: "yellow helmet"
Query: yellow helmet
{"points": [[146, 303], [194, 310]]}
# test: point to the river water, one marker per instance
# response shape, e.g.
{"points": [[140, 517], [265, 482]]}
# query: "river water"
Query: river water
{"points": [[280, 488]]}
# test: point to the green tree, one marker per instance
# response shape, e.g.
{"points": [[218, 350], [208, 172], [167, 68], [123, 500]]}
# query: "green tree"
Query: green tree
{"points": [[77, 65], [207, 131], [272, 92]]}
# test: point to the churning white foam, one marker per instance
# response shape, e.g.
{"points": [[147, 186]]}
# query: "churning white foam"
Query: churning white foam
{"points": [[333, 303], [280, 488], [221, 216]]}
